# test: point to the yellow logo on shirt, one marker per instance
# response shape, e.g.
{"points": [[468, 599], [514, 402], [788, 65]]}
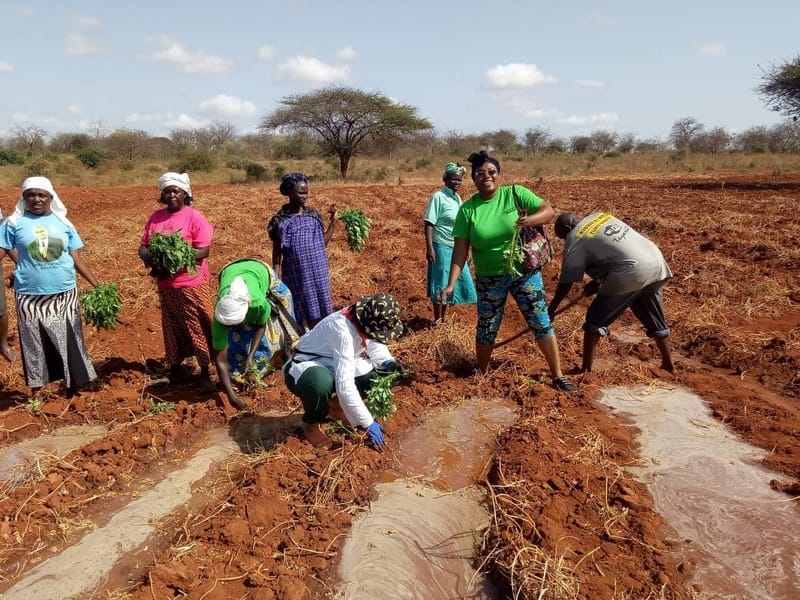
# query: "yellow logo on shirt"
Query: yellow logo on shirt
{"points": [[591, 228]]}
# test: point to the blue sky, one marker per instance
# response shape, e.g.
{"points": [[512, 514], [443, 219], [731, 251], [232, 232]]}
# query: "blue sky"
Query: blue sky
{"points": [[570, 67]]}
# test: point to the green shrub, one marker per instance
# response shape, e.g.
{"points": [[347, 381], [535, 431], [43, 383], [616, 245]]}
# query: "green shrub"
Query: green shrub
{"points": [[237, 163], [195, 160], [255, 172], [279, 171], [126, 165], [90, 157], [11, 157], [39, 166]]}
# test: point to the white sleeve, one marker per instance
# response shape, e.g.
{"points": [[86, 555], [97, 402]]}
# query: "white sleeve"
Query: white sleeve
{"points": [[378, 353], [344, 376]]}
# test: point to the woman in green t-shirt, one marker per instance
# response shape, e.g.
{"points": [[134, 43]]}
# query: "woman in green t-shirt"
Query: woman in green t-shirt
{"points": [[485, 223]]}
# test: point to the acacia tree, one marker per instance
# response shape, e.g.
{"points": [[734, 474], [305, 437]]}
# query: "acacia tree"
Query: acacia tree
{"points": [[780, 88], [345, 119]]}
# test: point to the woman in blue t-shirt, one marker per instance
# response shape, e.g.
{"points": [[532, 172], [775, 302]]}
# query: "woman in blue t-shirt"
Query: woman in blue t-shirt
{"points": [[45, 287]]}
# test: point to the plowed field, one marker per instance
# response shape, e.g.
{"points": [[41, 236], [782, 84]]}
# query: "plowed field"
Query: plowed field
{"points": [[271, 523]]}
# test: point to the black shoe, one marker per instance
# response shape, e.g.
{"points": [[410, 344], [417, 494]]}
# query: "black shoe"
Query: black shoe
{"points": [[563, 384]]}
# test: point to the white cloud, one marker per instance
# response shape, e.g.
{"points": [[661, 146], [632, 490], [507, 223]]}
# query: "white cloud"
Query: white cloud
{"points": [[303, 68], [166, 120], [75, 109], [712, 49], [230, 106], [189, 62], [265, 53], [86, 21], [517, 75], [6, 67], [78, 44], [347, 54], [598, 119], [591, 83]]}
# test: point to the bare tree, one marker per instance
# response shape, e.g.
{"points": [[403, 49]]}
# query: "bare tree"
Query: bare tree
{"points": [[536, 139], [580, 144], [753, 139], [683, 132], [712, 141], [603, 141], [29, 136], [626, 143], [127, 143], [344, 119], [216, 135], [97, 130]]}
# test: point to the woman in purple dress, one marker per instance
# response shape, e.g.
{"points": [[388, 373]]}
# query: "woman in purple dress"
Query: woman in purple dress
{"points": [[299, 239]]}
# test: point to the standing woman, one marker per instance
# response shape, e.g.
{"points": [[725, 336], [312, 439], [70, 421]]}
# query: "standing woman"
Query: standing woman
{"points": [[440, 215], [45, 285], [186, 305], [298, 251], [486, 223]]}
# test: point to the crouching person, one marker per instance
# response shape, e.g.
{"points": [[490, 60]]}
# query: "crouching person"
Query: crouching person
{"points": [[341, 354]]}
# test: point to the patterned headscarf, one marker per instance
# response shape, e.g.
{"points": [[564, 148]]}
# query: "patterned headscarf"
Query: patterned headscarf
{"points": [[379, 316], [452, 167], [56, 206], [290, 180]]}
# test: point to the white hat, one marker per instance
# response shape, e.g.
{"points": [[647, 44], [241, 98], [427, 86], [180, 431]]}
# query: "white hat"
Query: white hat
{"points": [[179, 180], [231, 309]]}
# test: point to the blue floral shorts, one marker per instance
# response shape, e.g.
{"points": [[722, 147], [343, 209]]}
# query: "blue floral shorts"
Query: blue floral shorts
{"points": [[528, 292]]}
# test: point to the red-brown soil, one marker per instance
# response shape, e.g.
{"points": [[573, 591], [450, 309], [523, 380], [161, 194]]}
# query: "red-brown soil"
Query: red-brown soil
{"points": [[733, 242]]}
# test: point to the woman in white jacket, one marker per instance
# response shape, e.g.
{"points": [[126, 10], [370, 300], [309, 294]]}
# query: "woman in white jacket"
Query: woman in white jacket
{"points": [[341, 354]]}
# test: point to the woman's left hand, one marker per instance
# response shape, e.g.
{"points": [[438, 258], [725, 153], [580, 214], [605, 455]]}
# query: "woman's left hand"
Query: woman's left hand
{"points": [[524, 221], [332, 212]]}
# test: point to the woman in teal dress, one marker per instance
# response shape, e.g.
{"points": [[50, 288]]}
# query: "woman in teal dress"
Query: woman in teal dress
{"points": [[440, 215]]}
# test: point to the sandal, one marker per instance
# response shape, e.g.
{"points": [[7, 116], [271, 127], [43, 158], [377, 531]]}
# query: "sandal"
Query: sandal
{"points": [[563, 384]]}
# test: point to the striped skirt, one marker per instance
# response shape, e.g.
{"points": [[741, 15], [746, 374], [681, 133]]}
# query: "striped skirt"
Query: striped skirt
{"points": [[51, 340], [186, 323]]}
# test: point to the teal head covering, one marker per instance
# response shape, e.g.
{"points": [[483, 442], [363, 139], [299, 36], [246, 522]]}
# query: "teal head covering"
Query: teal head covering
{"points": [[452, 167]]}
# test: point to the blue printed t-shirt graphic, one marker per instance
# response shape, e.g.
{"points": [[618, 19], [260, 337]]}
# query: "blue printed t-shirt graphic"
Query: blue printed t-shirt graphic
{"points": [[43, 243]]}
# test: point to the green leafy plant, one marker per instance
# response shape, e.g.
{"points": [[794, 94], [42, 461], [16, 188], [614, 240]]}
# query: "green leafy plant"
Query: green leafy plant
{"points": [[357, 225], [258, 370], [171, 253], [101, 306], [513, 255], [379, 396], [34, 406], [159, 406]]}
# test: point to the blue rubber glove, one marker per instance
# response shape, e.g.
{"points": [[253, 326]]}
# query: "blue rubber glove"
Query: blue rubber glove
{"points": [[392, 366], [375, 434]]}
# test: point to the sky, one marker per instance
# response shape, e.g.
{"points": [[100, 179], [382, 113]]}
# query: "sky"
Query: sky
{"points": [[570, 67]]}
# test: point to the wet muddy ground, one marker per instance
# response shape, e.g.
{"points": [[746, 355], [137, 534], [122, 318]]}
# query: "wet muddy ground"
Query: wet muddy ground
{"points": [[271, 517]]}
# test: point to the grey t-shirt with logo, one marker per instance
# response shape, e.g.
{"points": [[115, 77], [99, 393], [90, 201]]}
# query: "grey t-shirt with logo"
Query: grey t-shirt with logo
{"points": [[612, 252]]}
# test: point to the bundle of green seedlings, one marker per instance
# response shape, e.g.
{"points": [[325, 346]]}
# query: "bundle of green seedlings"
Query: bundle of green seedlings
{"points": [[171, 253], [101, 306], [513, 255], [379, 396], [357, 225]]}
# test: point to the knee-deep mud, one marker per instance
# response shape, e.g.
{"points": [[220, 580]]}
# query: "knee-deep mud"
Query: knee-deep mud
{"points": [[566, 518]]}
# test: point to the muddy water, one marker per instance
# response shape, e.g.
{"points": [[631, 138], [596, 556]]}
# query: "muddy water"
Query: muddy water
{"points": [[18, 459], [417, 540], [711, 489], [81, 567]]}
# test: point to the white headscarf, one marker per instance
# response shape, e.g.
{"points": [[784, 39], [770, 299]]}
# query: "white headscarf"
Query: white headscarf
{"points": [[179, 180], [56, 206], [231, 309]]}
